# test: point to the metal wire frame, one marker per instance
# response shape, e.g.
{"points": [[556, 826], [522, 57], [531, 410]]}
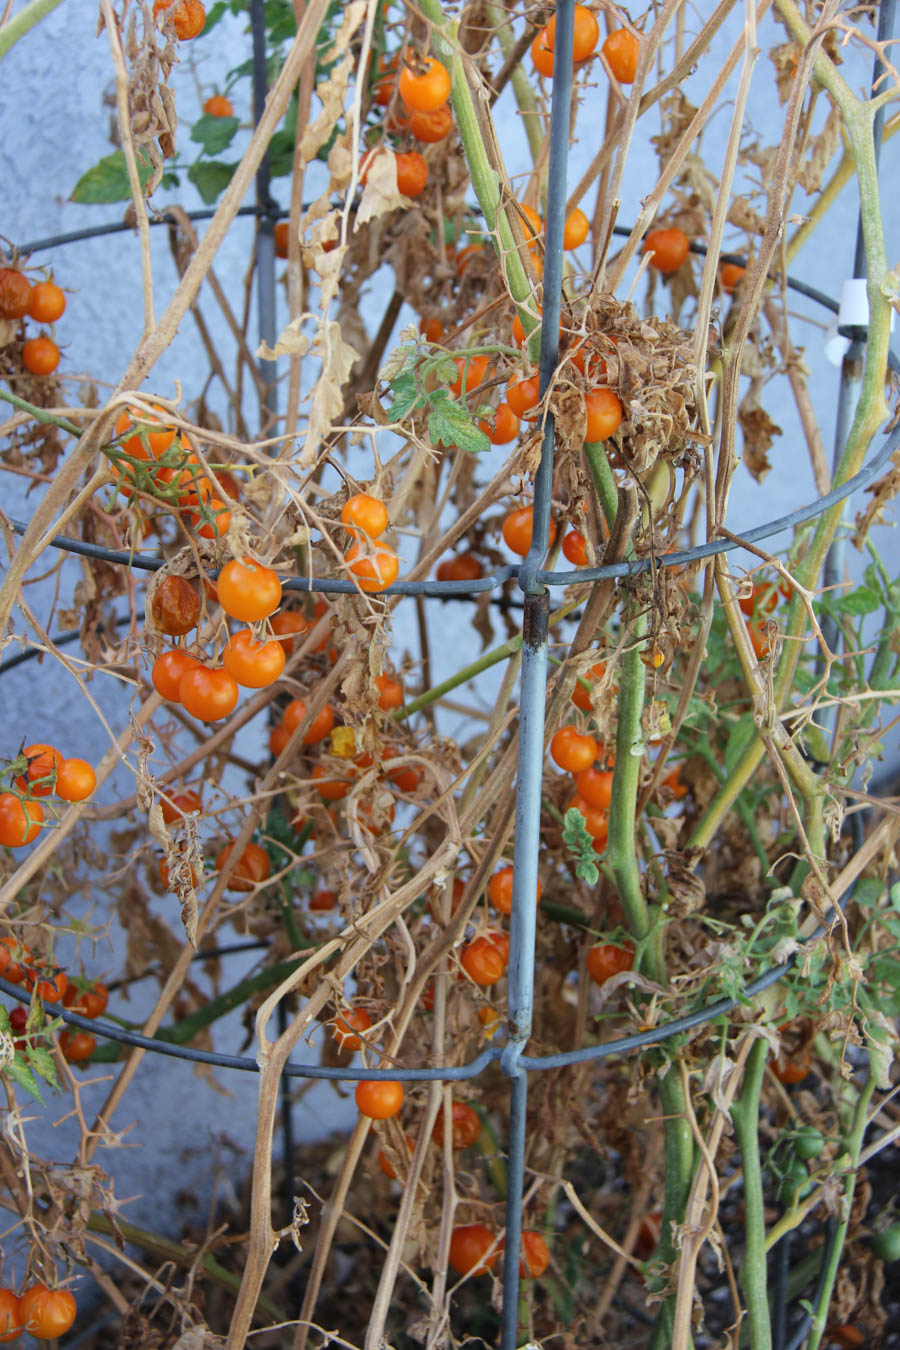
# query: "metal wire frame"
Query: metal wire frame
{"points": [[533, 582]]}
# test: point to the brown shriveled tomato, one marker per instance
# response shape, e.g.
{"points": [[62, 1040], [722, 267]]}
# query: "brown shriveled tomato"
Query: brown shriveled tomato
{"points": [[15, 293], [188, 17], [175, 606]]}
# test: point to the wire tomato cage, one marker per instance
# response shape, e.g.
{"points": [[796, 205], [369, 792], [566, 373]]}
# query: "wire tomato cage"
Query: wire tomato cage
{"points": [[534, 583]]}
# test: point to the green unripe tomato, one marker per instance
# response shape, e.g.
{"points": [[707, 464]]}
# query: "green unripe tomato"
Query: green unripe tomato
{"points": [[794, 1183], [887, 1244], [808, 1142]]}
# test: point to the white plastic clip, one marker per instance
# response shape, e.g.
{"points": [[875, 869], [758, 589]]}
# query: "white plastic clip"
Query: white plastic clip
{"points": [[854, 313]]}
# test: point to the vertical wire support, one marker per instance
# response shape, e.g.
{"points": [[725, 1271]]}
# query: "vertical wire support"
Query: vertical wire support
{"points": [[265, 233], [535, 625], [851, 365]]}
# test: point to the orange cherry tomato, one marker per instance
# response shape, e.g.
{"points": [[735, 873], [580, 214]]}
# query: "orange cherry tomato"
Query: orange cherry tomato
{"points": [[412, 174], [586, 36], [47, 1313], [20, 821], [669, 247], [517, 530], [288, 624], [14, 959], [431, 127], [333, 789], [604, 414], [90, 1002], [469, 1247], [375, 571], [580, 696], [535, 1255], [390, 692], [209, 695], [595, 787], [542, 54], [462, 567], [576, 230], [472, 371], [384, 1162], [505, 426], [500, 890], [425, 91], [465, 1126], [75, 781], [572, 750], [146, 443], [11, 1321], [379, 1101], [218, 526], [47, 302], [50, 988], [252, 868], [77, 1046], [790, 1069], [248, 591], [255, 665], [217, 105], [621, 50], [763, 599], [168, 670], [364, 515], [649, 1234], [347, 1024], [323, 900], [484, 960], [730, 275], [40, 356], [432, 329], [318, 728], [606, 959], [673, 782], [44, 765], [574, 549], [522, 395]]}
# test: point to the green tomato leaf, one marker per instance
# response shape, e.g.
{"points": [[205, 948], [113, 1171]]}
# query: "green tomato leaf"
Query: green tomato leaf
{"points": [[281, 153], [450, 424], [107, 181], [581, 846], [406, 396], [19, 1071], [210, 177], [860, 600], [42, 1063], [214, 133]]}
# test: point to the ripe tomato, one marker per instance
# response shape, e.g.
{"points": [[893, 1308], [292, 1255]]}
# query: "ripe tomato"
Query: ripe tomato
{"points": [[517, 529], [759, 638], [168, 670], [596, 821], [542, 54], [484, 961], [621, 50], [379, 1101], [11, 1322], [427, 88], [573, 547], [217, 105], [323, 900], [50, 988], [364, 515], [535, 1255], [318, 728], [673, 782], [390, 692], [604, 414], [252, 868], [500, 890], [595, 787], [328, 786], [412, 174], [15, 293], [146, 443], [793, 1068], [288, 624], [208, 695], [431, 127], [47, 1313], [572, 750], [465, 1126], [282, 238], [20, 821], [375, 571], [40, 356], [522, 395], [505, 426], [217, 527], [77, 1046], [469, 1247], [345, 1026], [248, 591], [88, 1002], [432, 330], [490, 1021], [847, 1336], [472, 370], [44, 765], [465, 256], [47, 303], [606, 959], [587, 33], [581, 696], [13, 956], [577, 228], [384, 1162], [730, 275], [188, 17], [462, 567], [670, 248], [255, 665], [763, 599], [175, 606], [75, 781]]}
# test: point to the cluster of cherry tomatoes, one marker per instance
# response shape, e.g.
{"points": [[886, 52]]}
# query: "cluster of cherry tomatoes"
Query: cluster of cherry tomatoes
{"points": [[43, 1312], [416, 97], [42, 301], [38, 772]]}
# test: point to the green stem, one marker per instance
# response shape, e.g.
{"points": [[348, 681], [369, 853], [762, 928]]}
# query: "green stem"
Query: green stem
{"points": [[854, 1145], [39, 414], [745, 1114], [621, 856], [23, 22], [604, 480]]}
